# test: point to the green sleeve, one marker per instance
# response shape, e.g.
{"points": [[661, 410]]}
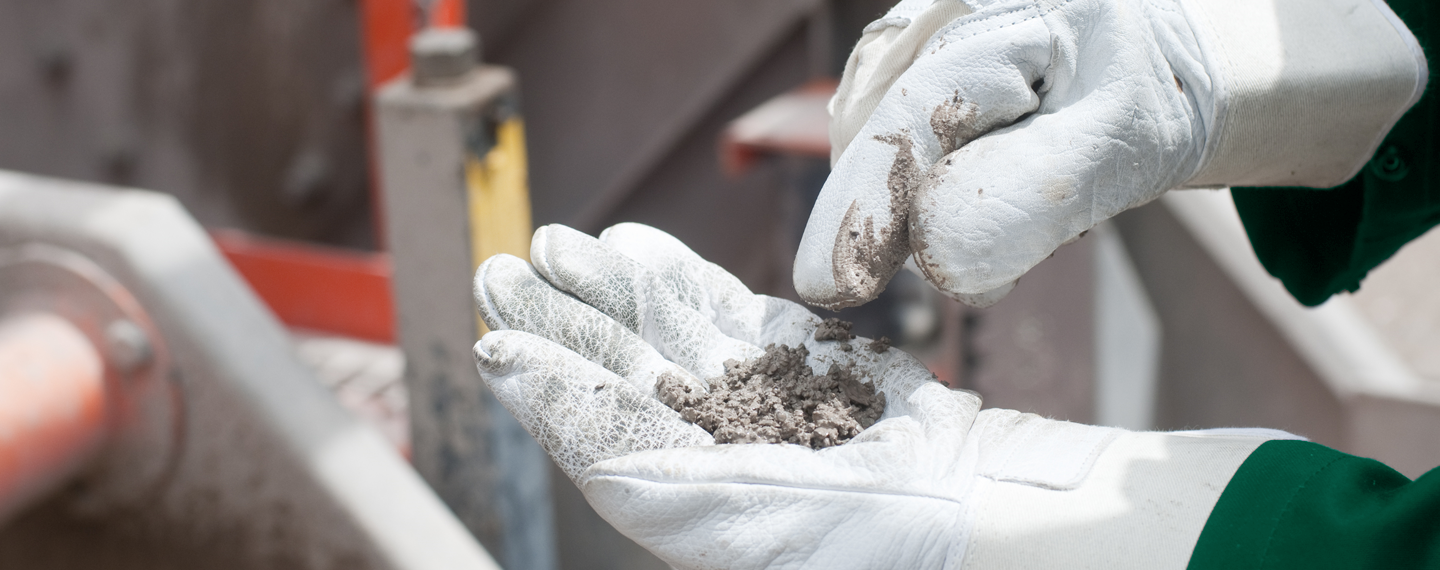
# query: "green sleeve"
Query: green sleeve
{"points": [[1300, 505], [1322, 242]]}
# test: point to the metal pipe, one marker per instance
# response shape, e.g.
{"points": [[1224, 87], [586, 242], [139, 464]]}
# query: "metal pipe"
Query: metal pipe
{"points": [[52, 406]]}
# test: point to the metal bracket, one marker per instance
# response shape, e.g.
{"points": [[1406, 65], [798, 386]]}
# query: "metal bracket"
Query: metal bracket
{"points": [[143, 413]]}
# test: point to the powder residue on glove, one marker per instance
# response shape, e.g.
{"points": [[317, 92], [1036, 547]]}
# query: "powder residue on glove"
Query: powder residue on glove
{"points": [[834, 329], [777, 398]]}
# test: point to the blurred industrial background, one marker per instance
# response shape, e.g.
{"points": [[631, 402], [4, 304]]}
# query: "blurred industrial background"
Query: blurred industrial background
{"points": [[303, 301]]}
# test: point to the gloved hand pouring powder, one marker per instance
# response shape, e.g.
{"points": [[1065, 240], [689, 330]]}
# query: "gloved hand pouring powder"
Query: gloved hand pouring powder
{"points": [[974, 138]]}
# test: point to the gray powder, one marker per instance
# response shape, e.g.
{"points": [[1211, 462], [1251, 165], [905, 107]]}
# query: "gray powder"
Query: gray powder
{"points": [[834, 329], [777, 398]]}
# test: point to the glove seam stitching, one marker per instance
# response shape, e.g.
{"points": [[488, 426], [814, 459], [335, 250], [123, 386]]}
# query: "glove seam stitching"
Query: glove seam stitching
{"points": [[1157, 5], [1209, 50], [963, 23], [960, 502], [1054, 8], [1175, 7], [967, 520]]}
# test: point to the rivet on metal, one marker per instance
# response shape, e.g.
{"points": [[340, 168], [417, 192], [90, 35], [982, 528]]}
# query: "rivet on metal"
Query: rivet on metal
{"points": [[127, 346]]}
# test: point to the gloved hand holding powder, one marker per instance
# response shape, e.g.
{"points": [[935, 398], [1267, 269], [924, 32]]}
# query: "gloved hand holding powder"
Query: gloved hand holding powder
{"points": [[633, 361]]}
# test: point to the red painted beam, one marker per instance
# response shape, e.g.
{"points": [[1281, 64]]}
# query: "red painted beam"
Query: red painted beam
{"points": [[327, 289], [448, 14], [386, 27], [794, 123]]}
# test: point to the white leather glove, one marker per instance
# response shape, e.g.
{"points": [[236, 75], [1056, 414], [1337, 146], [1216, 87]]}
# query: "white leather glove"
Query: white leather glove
{"points": [[981, 136], [580, 339]]}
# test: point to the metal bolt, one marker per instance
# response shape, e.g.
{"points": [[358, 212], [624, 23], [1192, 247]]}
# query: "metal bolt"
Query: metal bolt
{"points": [[442, 55], [127, 346]]}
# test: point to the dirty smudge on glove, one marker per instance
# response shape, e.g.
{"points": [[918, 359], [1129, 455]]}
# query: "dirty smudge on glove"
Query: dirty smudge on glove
{"points": [[866, 257], [953, 123], [777, 398]]}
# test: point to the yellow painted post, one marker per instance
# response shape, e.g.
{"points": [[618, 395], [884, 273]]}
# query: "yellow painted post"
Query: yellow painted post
{"points": [[498, 190]]}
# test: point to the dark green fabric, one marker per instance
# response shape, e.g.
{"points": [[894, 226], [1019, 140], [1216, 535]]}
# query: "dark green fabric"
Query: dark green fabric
{"points": [[1296, 504], [1322, 242]]}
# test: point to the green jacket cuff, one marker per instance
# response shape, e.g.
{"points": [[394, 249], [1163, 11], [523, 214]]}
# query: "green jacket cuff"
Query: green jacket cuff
{"points": [[1322, 242], [1296, 504]]}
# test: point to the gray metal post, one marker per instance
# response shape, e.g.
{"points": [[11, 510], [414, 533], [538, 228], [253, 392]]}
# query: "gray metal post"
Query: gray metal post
{"points": [[436, 128]]}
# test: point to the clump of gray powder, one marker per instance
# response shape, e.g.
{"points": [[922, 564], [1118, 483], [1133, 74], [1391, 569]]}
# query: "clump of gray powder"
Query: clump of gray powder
{"points": [[777, 398], [834, 329]]}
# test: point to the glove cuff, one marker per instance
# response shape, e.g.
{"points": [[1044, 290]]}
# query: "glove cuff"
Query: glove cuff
{"points": [[1143, 504], [1303, 90]]}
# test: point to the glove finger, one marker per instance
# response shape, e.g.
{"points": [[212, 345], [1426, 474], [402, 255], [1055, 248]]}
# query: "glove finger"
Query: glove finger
{"points": [[885, 51], [624, 289], [708, 288], [987, 298], [580, 412], [972, 78], [510, 295], [1004, 203]]}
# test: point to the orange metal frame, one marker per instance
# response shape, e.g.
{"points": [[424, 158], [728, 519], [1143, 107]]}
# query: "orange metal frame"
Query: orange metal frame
{"points": [[315, 287], [386, 29], [801, 128]]}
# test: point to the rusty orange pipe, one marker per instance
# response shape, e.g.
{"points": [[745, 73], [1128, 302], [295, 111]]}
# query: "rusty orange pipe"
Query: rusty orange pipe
{"points": [[52, 406]]}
